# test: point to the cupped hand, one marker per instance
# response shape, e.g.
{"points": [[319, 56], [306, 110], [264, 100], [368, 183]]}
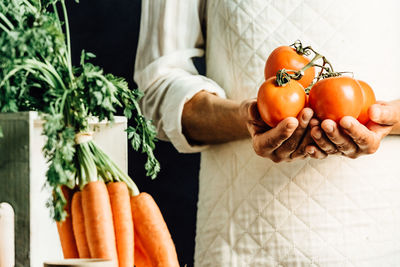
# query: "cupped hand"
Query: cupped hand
{"points": [[352, 139], [285, 142]]}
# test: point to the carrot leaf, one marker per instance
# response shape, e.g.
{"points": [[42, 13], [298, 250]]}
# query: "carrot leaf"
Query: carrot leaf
{"points": [[36, 73]]}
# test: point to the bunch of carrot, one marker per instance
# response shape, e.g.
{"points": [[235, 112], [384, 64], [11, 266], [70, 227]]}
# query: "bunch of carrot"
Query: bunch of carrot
{"points": [[109, 219], [98, 208]]}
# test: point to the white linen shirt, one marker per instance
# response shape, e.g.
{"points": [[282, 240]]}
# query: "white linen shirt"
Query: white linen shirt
{"points": [[170, 36]]}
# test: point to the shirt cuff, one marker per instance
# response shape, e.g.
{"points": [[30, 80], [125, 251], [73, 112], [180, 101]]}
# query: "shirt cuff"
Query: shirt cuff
{"points": [[183, 91]]}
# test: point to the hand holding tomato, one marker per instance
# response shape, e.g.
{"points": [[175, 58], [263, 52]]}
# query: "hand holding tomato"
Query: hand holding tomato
{"points": [[284, 142], [350, 124], [353, 139]]}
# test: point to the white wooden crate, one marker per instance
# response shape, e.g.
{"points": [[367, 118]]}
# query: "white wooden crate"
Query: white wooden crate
{"points": [[22, 176]]}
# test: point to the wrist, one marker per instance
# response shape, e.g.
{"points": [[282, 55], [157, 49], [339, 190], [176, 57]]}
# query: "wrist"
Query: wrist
{"points": [[243, 115], [192, 115], [208, 119]]}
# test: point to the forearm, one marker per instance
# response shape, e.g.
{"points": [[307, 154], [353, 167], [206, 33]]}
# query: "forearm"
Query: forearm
{"points": [[209, 119]]}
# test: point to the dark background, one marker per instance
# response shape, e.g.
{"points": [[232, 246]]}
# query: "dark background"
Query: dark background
{"points": [[110, 29]]}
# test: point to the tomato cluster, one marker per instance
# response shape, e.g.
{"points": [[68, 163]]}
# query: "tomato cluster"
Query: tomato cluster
{"points": [[331, 97]]}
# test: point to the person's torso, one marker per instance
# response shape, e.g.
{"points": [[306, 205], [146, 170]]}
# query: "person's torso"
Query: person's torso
{"points": [[332, 212]]}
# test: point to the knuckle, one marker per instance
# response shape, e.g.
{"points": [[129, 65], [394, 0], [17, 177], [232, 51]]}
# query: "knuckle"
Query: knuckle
{"points": [[284, 135], [342, 146], [323, 145], [333, 138], [353, 156], [290, 145], [298, 153], [361, 140], [295, 155], [257, 149], [303, 124], [273, 142], [330, 150], [320, 155], [258, 153], [276, 159], [250, 128], [371, 149], [314, 122]]}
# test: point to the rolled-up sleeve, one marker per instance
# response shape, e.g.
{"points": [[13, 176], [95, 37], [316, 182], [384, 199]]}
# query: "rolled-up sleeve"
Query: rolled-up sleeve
{"points": [[170, 36]]}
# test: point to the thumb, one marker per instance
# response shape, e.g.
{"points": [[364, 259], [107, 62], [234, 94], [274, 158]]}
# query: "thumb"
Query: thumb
{"points": [[255, 124], [385, 114], [253, 110]]}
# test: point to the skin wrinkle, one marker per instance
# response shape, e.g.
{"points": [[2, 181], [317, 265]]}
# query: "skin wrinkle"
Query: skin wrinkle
{"points": [[221, 68], [222, 120], [210, 119], [355, 139]]}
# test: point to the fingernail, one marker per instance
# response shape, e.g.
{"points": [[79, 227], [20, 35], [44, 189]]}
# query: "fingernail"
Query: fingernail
{"points": [[329, 128], [384, 113], [317, 134], [346, 123], [376, 113], [291, 125], [306, 116], [311, 151]]}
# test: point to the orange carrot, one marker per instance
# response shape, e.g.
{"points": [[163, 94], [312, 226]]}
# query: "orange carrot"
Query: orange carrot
{"points": [[152, 231], [99, 226], [65, 229], [123, 224], [141, 257], [78, 224]]}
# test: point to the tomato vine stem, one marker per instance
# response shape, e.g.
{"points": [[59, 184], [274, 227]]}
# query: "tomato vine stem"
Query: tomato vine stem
{"points": [[284, 76]]}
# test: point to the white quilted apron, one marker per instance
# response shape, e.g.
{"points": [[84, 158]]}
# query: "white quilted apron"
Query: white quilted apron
{"points": [[331, 212]]}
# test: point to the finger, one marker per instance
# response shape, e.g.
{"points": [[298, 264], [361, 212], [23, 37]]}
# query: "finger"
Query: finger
{"points": [[322, 141], [364, 138], [265, 143], [255, 124], [300, 151], [342, 141], [253, 110], [314, 122], [384, 113], [379, 129], [291, 144], [315, 152]]}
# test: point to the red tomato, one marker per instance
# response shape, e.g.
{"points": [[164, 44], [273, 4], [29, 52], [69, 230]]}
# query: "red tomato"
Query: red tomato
{"points": [[286, 57], [276, 103], [336, 97], [369, 99]]}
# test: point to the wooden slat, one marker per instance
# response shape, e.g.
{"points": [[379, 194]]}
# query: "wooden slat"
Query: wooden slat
{"points": [[14, 178]]}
